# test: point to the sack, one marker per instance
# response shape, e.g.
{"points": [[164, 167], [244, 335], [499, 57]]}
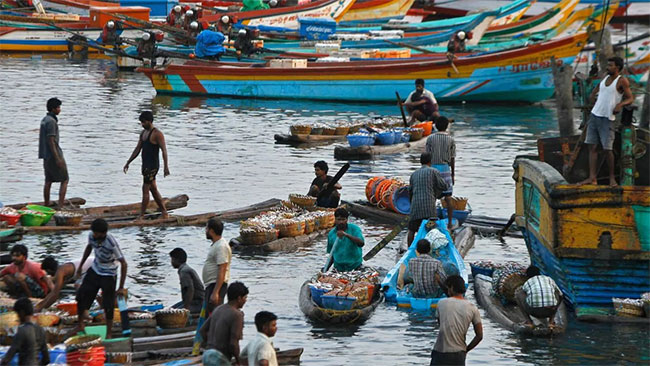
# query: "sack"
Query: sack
{"points": [[437, 239]]}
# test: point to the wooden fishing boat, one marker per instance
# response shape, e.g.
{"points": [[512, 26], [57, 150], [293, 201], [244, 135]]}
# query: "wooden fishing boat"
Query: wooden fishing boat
{"points": [[592, 240], [521, 75], [279, 245], [370, 151], [173, 220], [449, 255], [547, 20], [181, 355], [375, 11], [9, 236], [74, 202], [289, 139], [511, 317], [286, 17], [330, 316]]}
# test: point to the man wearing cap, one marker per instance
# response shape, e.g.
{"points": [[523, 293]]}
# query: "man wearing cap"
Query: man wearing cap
{"points": [[151, 141], [175, 17], [49, 150], [456, 43]]}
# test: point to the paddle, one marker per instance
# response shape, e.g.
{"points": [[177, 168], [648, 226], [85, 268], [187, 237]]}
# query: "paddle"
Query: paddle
{"points": [[401, 108], [196, 347], [330, 259], [387, 239], [330, 186]]}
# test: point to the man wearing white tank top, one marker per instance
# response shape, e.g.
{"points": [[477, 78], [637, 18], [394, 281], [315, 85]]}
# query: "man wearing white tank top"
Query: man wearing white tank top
{"points": [[613, 94]]}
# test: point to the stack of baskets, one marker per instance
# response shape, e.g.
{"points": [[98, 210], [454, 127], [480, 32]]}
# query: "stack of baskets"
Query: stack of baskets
{"points": [[300, 129], [172, 318], [290, 227], [310, 224], [324, 219], [628, 307], [341, 130], [329, 130], [82, 342], [505, 282], [255, 235], [302, 200]]}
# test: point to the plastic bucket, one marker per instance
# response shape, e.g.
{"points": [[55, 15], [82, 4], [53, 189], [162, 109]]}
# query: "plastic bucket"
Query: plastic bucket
{"points": [[401, 200], [386, 138], [11, 220], [28, 219], [426, 126], [642, 219], [47, 211], [359, 140]]}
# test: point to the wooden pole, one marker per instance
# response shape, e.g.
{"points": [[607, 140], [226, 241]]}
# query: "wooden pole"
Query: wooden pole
{"points": [[563, 81], [604, 48], [645, 111]]}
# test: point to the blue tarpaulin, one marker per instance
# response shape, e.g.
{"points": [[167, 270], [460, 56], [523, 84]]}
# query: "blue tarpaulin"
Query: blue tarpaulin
{"points": [[209, 43]]}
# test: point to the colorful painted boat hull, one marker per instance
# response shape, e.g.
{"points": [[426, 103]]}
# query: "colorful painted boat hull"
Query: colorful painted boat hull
{"points": [[376, 10], [48, 40], [522, 75], [548, 20], [589, 239]]}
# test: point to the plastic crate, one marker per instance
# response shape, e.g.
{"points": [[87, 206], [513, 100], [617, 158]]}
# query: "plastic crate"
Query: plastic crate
{"points": [[316, 28], [316, 294], [338, 302]]}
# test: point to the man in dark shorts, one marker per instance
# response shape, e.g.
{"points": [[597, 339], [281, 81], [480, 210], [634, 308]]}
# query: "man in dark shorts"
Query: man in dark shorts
{"points": [[29, 340], [223, 330], [24, 277], [151, 141], [49, 150], [102, 274], [320, 182], [425, 186]]}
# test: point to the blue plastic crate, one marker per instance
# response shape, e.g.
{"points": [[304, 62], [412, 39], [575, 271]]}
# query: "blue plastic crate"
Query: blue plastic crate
{"points": [[337, 302], [316, 294], [316, 28], [476, 270], [159, 8]]}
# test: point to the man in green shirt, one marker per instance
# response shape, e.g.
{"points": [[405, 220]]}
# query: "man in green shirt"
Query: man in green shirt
{"points": [[344, 242]]}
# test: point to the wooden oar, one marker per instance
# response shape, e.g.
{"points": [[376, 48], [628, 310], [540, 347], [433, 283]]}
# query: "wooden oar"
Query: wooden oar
{"points": [[330, 259], [330, 186], [401, 108], [387, 239]]}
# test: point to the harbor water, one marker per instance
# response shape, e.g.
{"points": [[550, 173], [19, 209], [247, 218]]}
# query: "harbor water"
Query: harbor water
{"points": [[222, 154]]}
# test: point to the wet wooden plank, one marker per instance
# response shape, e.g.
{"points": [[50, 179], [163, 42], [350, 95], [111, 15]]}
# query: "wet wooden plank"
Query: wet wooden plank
{"points": [[368, 152]]}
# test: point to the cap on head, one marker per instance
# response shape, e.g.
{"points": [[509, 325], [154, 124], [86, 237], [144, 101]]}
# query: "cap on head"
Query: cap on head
{"points": [[242, 32], [110, 24], [177, 8], [273, 3], [461, 35], [225, 19], [189, 13], [194, 25], [146, 36]]}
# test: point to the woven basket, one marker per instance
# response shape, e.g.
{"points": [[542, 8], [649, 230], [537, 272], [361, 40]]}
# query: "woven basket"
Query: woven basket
{"points": [[119, 357], [100, 318], [416, 133], [506, 282], [54, 335], [326, 221], [355, 128], [172, 318], [329, 131], [47, 319], [300, 130], [341, 130], [74, 220], [302, 200], [9, 319], [82, 341], [317, 130], [290, 228], [310, 225], [258, 237], [628, 309], [459, 203]]}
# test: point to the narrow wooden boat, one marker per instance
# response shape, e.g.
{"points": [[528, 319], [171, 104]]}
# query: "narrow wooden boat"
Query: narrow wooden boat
{"points": [[330, 316], [74, 202], [511, 317], [547, 20], [523, 74], [286, 17], [289, 139], [592, 240], [375, 11], [368, 152], [9, 236], [449, 255], [181, 356], [279, 245]]}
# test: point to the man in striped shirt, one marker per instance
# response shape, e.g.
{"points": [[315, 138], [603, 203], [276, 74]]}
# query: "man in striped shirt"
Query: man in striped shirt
{"points": [[442, 148], [539, 296], [102, 274]]}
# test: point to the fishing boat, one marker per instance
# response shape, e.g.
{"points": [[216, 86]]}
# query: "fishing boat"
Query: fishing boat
{"points": [[512, 317], [331, 316], [592, 240], [547, 20], [520, 75], [286, 17], [375, 11], [306, 139], [9, 236], [342, 152], [279, 245], [449, 256]]}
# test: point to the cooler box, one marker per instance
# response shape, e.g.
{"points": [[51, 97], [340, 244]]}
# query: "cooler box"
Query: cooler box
{"points": [[159, 8], [316, 28], [99, 14]]}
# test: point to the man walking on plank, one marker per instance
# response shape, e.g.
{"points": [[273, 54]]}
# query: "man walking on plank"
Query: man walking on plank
{"points": [[102, 274], [151, 141], [49, 150]]}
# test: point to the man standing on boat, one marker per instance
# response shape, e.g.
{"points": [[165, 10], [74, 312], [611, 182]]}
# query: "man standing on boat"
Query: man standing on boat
{"points": [[613, 94], [151, 141], [442, 148], [455, 314], [320, 183], [425, 186], [421, 104], [49, 150], [539, 296], [223, 330], [216, 269], [344, 242]]}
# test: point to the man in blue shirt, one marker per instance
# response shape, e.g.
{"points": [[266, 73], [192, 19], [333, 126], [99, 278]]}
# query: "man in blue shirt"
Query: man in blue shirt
{"points": [[344, 242], [102, 274]]}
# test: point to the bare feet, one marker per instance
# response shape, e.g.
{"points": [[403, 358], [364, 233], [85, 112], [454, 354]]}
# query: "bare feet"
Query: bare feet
{"points": [[612, 182], [587, 181], [165, 215]]}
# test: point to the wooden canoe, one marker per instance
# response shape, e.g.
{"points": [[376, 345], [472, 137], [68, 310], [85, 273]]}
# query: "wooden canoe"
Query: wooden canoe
{"points": [[369, 152], [322, 315], [288, 139], [167, 356], [9, 236], [175, 220], [73, 202], [279, 245], [511, 317], [598, 318]]}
